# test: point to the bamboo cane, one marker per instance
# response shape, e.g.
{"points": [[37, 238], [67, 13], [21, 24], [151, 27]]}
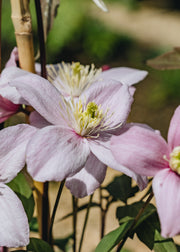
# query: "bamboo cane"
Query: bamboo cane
{"points": [[23, 31], [21, 18]]}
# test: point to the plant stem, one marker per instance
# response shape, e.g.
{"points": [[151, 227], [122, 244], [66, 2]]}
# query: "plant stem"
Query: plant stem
{"points": [[55, 209], [85, 222], [121, 244], [75, 208], [41, 39], [103, 214], [45, 212]]}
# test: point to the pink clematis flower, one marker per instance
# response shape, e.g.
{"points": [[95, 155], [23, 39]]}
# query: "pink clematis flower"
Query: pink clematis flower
{"points": [[14, 228], [8, 108], [73, 140], [144, 151], [71, 79]]}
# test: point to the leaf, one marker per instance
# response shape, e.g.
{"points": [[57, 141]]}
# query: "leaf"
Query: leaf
{"points": [[33, 225], [113, 238], [63, 243], [20, 185], [37, 245], [49, 11], [120, 188], [146, 230], [166, 61], [163, 244], [28, 204], [133, 209]]}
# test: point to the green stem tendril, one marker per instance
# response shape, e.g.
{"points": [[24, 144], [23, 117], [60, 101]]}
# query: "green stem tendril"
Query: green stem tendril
{"points": [[75, 209], [121, 244], [55, 209], [85, 222]]}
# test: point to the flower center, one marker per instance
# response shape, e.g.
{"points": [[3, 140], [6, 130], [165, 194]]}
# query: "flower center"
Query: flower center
{"points": [[72, 79], [174, 161], [88, 119]]}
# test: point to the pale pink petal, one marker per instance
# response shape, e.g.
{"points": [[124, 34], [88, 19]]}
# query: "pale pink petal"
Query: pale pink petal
{"points": [[174, 130], [7, 109], [140, 149], [42, 96], [14, 228], [12, 149], [101, 149], [13, 58], [88, 179], [125, 75], [166, 187], [37, 120], [55, 153], [114, 99], [7, 91]]}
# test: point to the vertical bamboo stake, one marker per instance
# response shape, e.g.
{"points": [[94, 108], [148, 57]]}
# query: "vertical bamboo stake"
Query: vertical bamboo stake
{"points": [[23, 30]]}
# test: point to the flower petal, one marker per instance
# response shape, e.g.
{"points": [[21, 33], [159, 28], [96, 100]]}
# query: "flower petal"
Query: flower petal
{"points": [[166, 187], [13, 58], [14, 228], [125, 75], [37, 120], [7, 109], [174, 130], [140, 149], [13, 142], [88, 179], [55, 153], [7, 91], [101, 149], [114, 98], [41, 95]]}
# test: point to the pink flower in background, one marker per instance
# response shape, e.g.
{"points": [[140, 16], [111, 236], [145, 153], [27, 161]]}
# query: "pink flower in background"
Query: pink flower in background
{"points": [[14, 228], [7, 108], [144, 151], [73, 140], [71, 79]]}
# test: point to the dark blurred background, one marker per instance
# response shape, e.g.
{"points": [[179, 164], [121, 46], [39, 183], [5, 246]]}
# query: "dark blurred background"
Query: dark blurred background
{"points": [[82, 32]]}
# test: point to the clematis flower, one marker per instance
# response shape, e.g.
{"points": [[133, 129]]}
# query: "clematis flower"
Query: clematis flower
{"points": [[144, 151], [14, 228], [74, 135], [72, 79]]}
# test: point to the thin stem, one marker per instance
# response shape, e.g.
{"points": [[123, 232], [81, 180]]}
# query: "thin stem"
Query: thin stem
{"points": [[75, 208], [103, 214], [45, 212], [41, 39], [85, 222], [121, 244], [55, 209]]}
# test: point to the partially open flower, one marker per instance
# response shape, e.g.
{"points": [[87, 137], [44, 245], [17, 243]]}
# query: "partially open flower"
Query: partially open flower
{"points": [[144, 151]]}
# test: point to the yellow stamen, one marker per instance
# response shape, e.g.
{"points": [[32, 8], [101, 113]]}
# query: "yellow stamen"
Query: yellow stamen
{"points": [[174, 161]]}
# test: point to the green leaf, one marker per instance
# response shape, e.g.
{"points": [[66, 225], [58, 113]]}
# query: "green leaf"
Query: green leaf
{"points": [[63, 244], [28, 204], [113, 238], [146, 230], [20, 185], [163, 245], [121, 189], [133, 209], [169, 60], [33, 225], [37, 245]]}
